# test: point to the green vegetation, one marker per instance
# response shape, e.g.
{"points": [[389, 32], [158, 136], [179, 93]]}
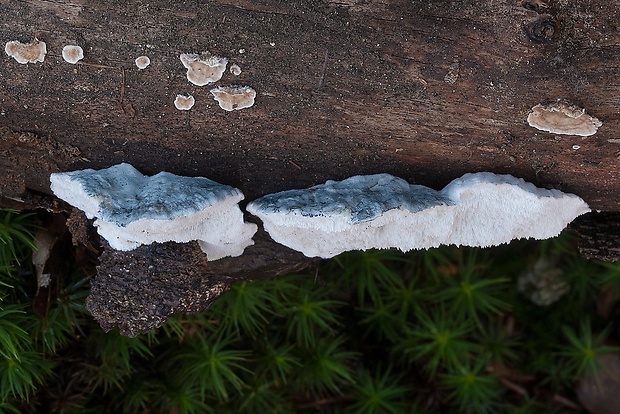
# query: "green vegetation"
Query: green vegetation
{"points": [[444, 330]]}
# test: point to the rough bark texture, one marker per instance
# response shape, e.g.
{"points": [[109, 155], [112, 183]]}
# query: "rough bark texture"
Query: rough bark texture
{"points": [[424, 90], [599, 236]]}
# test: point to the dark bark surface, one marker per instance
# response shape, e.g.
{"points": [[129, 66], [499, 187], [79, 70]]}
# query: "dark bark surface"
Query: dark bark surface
{"points": [[424, 90], [599, 236], [138, 290]]}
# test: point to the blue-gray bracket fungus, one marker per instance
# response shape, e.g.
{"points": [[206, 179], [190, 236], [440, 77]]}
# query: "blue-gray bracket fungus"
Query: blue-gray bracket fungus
{"points": [[132, 209], [382, 211]]}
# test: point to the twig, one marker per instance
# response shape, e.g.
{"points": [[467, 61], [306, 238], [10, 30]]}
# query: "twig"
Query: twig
{"points": [[122, 97], [94, 65], [325, 401], [515, 387], [322, 78], [566, 402]]}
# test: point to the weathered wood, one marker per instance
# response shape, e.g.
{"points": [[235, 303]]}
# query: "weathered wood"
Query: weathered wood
{"points": [[599, 235], [138, 290], [426, 90]]}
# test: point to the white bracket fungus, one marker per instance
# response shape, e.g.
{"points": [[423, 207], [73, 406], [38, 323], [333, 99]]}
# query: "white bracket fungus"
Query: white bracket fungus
{"points": [[203, 69], [562, 117], [383, 211], [26, 52], [72, 54], [233, 98], [132, 209], [184, 103], [142, 62]]}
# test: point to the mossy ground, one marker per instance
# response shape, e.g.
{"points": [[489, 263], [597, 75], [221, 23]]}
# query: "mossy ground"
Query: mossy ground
{"points": [[443, 330]]}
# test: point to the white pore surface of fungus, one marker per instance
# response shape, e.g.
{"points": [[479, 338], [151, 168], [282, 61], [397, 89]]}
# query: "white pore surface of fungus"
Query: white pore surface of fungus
{"points": [[26, 52], [142, 62], [72, 54], [233, 98], [132, 209], [562, 117], [382, 211], [203, 69], [184, 103]]}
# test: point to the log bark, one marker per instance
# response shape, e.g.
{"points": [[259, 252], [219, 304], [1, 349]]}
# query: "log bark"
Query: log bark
{"points": [[424, 90]]}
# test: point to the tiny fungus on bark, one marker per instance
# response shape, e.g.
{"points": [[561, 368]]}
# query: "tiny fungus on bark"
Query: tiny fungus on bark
{"points": [[132, 209], [235, 69], [142, 62], [561, 117], [23, 53], [233, 98], [204, 68], [72, 54], [184, 103], [382, 211]]}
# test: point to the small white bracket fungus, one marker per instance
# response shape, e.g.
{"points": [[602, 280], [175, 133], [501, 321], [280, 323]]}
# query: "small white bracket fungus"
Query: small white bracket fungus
{"points": [[235, 69], [233, 98], [142, 62], [132, 209], [382, 211], [72, 54], [203, 69], [184, 103], [26, 52], [564, 118]]}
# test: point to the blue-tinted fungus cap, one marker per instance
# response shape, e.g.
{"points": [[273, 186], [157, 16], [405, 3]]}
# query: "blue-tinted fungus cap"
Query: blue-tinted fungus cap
{"points": [[132, 209]]}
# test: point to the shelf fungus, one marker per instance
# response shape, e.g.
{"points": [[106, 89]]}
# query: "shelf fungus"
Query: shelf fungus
{"points": [[561, 117], [132, 209], [184, 103], [142, 62], [232, 98], [72, 54], [383, 211], [203, 69], [235, 69], [26, 52]]}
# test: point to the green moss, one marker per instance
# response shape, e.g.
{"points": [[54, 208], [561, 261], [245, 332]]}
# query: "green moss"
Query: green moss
{"points": [[443, 330]]}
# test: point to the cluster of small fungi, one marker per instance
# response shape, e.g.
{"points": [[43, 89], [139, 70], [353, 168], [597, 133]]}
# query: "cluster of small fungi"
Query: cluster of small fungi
{"points": [[205, 69], [202, 69]]}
